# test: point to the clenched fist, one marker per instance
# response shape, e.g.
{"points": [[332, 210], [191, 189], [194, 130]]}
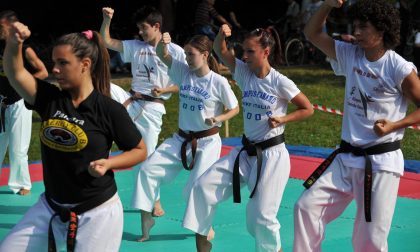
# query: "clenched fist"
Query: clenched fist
{"points": [[107, 13], [18, 33], [98, 168]]}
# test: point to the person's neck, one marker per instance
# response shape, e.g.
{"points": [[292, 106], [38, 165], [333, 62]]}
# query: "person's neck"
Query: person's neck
{"points": [[80, 94], [375, 53], [262, 71], [202, 71], [154, 42]]}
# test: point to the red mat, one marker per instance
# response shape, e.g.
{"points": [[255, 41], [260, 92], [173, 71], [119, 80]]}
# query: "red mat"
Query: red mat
{"points": [[302, 167]]}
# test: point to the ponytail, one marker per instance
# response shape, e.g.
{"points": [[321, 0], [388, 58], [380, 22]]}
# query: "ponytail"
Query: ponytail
{"points": [[101, 75], [213, 64], [89, 44], [276, 56]]}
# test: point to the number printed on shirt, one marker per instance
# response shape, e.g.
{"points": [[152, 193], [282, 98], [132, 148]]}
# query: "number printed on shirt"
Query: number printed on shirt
{"points": [[192, 107], [250, 116]]}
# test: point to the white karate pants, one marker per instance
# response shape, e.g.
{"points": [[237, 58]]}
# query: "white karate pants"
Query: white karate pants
{"points": [[100, 229], [215, 186], [17, 138], [329, 196], [165, 163]]}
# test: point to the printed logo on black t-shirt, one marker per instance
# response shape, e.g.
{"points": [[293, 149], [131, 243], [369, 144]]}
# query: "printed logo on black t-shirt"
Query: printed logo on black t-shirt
{"points": [[62, 135]]}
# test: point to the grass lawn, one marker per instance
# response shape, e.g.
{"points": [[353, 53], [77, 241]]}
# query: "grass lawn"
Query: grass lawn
{"points": [[321, 130]]}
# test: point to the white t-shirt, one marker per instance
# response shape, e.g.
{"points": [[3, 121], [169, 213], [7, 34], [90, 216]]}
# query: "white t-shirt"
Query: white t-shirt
{"points": [[262, 98], [119, 94], [147, 69], [372, 92], [200, 97]]}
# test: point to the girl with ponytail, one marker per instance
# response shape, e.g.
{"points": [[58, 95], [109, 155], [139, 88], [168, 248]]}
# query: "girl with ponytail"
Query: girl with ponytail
{"points": [[203, 95], [79, 124], [262, 163]]}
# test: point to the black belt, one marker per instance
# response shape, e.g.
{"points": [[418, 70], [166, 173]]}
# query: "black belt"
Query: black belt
{"points": [[70, 215], [347, 148], [253, 149], [192, 137], [140, 96], [3, 108]]}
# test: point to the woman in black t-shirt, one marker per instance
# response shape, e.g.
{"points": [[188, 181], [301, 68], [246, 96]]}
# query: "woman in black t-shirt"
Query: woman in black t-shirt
{"points": [[79, 123]]}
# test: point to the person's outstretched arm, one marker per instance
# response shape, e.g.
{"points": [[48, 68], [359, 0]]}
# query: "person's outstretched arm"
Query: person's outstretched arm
{"points": [[220, 47], [20, 79], [36, 63], [162, 49], [110, 43], [313, 28]]}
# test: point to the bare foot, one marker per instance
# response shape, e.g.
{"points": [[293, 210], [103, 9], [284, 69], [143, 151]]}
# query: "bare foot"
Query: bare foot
{"points": [[202, 244], [158, 210], [211, 234], [24, 192], [147, 222]]}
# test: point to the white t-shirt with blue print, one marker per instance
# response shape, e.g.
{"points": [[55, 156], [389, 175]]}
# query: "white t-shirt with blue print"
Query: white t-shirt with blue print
{"points": [[200, 97], [262, 98]]}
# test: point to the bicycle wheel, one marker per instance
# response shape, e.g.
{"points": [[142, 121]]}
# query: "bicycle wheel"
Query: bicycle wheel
{"points": [[294, 52]]}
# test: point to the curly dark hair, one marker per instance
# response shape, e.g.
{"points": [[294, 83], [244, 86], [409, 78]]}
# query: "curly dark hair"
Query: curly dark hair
{"points": [[382, 15]]}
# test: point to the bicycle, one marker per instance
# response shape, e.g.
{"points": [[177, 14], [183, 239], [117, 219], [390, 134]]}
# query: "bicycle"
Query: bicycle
{"points": [[298, 50]]}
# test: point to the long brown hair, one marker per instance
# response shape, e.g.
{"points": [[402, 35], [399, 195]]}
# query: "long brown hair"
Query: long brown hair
{"points": [[93, 47], [203, 44]]}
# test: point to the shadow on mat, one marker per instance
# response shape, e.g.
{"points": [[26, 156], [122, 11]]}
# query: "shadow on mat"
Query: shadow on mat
{"points": [[162, 237], [6, 226], [13, 209], [132, 210], [6, 192]]}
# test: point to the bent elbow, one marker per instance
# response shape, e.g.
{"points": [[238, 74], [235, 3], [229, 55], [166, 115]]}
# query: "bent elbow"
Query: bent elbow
{"points": [[308, 34], [310, 111], [236, 110]]}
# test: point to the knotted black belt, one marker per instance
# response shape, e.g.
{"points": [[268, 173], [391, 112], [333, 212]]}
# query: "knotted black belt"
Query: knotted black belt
{"points": [[347, 148], [70, 215], [140, 96], [3, 107], [192, 137], [252, 149]]}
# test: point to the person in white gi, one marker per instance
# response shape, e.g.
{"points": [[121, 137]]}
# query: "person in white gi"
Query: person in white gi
{"points": [[16, 120], [150, 78], [203, 96], [265, 96], [379, 85]]}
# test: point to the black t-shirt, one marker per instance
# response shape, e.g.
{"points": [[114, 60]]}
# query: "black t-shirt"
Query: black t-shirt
{"points": [[73, 137], [6, 89]]}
